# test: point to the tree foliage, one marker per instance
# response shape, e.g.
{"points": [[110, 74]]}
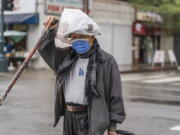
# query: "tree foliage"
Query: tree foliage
{"points": [[168, 9]]}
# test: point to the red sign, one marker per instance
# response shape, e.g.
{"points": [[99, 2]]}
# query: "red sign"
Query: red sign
{"points": [[139, 28]]}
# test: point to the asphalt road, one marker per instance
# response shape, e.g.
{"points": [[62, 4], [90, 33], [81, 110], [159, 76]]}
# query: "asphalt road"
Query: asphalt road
{"points": [[152, 102]]}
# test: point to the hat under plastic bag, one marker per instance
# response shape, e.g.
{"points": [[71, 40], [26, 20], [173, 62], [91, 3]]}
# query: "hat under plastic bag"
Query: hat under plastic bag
{"points": [[76, 21]]}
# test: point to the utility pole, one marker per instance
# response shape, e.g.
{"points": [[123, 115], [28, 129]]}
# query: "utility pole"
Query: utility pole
{"points": [[3, 59], [86, 6]]}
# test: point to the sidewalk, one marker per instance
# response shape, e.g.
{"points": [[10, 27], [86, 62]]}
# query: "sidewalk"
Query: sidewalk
{"points": [[144, 68]]}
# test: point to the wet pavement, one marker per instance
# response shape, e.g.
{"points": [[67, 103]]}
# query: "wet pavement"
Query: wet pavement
{"points": [[152, 102]]}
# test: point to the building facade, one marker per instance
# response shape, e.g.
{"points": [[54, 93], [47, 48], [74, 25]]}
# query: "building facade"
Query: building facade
{"points": [[114, 17], [149, 36]]}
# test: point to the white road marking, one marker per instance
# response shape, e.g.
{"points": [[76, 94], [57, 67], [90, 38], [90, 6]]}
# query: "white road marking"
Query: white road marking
{"points": [[176, 84], [154, 78], [162, 80], [177, 128], [142, 77]]}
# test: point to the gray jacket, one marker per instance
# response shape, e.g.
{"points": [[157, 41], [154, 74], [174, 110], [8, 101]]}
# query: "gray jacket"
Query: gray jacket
{"points": [[108, 109]]}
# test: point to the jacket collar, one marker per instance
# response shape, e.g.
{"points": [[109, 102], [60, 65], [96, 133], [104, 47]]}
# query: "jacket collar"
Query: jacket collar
{"points": [[101, 56]]}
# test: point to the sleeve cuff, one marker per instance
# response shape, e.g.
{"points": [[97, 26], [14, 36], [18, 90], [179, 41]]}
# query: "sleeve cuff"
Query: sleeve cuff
{"points": [[112, 126]]}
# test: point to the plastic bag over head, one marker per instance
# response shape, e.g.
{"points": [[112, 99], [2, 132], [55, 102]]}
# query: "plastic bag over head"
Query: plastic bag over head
{"points": [[76, 21]]}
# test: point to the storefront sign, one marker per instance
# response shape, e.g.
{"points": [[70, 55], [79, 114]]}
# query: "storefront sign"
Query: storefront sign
{"points": [[139, 28], [23, 6], [159, 58], [148, 16], [172, 57], [57, 6]]}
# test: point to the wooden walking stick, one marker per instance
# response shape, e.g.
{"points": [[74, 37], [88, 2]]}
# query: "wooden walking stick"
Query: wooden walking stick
{"points": [[24, 64]]}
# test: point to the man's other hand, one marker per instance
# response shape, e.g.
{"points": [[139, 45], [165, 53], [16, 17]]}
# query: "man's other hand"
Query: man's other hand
{"points": [[112, 132]]}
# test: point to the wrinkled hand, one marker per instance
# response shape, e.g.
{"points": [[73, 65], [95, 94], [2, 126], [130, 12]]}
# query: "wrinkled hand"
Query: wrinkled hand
{"points": [[110, 132], [49, 22]]}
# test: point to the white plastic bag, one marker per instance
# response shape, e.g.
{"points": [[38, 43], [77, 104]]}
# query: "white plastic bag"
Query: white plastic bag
{"points": [[76, 21]]}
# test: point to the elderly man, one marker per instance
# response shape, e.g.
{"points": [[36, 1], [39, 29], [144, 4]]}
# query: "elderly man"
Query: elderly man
{"points": [[88, 86]]}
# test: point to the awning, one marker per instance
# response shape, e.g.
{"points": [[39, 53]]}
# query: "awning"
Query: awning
{"points": [[14, 33], [21, 19]]}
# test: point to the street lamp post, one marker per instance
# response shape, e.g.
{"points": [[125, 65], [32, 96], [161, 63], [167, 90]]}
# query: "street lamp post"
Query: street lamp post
{"points": [[86, 6], [3, 59]]}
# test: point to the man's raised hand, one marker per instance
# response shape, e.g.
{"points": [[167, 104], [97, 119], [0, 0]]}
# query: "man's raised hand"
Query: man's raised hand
{"points": [[50, 22]]}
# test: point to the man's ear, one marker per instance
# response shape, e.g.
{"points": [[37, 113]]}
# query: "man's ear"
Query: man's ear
{"points": [[92, 40]]}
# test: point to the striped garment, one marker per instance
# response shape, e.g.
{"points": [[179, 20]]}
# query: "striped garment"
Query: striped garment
{"points": [[66, 65]]}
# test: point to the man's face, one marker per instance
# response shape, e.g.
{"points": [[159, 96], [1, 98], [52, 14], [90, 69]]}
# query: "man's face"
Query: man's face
{"points": [[74, 36]]}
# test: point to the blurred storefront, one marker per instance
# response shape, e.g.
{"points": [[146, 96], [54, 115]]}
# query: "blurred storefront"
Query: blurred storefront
{"points": [[114, 17], [132, 38], [17, 24], [148, 37]]}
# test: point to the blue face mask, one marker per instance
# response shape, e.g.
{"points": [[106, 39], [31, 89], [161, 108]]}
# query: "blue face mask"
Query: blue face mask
{"points": [[81, 46]]}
